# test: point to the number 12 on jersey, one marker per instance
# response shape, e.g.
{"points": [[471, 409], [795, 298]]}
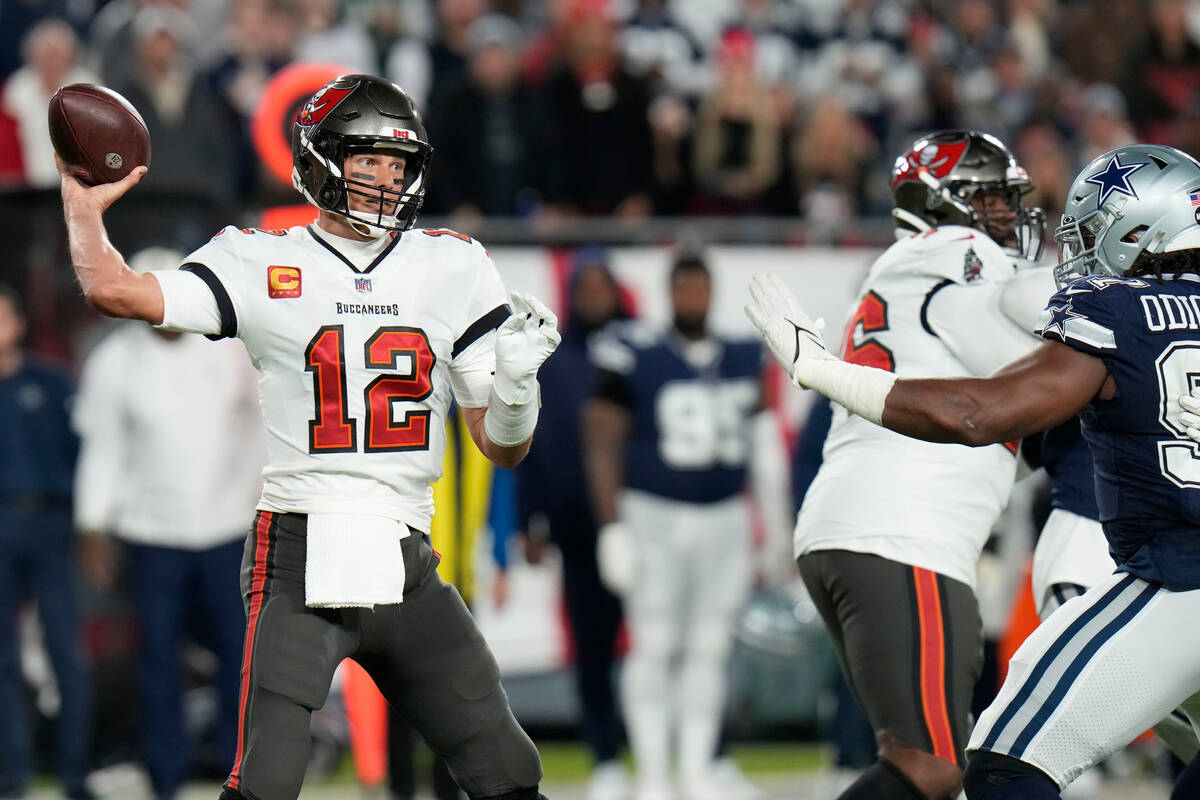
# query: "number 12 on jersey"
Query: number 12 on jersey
{"points": [[333, 430]]}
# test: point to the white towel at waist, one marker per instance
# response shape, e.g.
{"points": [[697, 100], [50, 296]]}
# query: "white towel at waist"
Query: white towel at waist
{"points": [[354, 560]]}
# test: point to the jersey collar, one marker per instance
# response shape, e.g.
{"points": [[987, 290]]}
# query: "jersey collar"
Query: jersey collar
{"points": [[374, 262]]}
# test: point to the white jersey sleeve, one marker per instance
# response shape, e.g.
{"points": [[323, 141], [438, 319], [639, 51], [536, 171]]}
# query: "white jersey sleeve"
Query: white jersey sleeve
{"points": [[473, 359], [970, 322], [214, 271]]}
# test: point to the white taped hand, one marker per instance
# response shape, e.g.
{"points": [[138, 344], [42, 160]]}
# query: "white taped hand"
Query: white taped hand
{"points": [[791, 335], [523, 343], [1190, 417]]}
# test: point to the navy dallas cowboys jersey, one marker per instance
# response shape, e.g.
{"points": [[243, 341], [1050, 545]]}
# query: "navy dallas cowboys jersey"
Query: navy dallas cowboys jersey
{"points": [[1068, 462], [690, 437], [1147, 472]]}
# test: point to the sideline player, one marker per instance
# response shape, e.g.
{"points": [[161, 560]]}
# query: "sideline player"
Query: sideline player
{"points": [[670, 423], [891, 528], [1122, 349], [361, 327]]}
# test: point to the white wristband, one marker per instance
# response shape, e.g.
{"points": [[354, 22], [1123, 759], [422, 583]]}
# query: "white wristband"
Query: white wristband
{"points": [[862, 390], [510, 425]]}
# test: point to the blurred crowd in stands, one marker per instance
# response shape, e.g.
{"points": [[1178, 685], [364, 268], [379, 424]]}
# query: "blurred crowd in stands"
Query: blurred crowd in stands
{"points": [[631, 108]]}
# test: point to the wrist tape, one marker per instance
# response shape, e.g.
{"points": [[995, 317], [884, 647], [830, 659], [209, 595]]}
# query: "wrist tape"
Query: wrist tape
{"points": [[862, 390], [510, 425]]}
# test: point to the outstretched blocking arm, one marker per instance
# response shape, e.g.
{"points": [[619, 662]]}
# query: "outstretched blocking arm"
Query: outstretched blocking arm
{"points": [[1036, 392], [109, 285]]}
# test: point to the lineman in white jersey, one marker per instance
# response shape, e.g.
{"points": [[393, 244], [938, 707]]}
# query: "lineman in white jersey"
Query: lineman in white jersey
{"points": [[361, 328], [890, 530]]}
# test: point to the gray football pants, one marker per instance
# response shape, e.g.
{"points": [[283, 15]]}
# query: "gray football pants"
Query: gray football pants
{"points": [[426, 655]]}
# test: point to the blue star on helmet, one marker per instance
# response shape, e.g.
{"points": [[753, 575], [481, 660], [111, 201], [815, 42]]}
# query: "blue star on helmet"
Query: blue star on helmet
{"points": [[1114, 178], [1059, 316]]}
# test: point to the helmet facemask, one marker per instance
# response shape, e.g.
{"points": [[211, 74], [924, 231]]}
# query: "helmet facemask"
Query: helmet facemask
{"points": [[1078, 243], [397, 208], [1018, 229]]}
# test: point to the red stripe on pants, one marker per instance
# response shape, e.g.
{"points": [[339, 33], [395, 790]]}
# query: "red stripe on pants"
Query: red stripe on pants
{"points": [[257, 584], [933, 665]]}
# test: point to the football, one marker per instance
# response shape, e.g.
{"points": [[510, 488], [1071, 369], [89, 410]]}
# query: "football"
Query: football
{"points": [[97, 132]]}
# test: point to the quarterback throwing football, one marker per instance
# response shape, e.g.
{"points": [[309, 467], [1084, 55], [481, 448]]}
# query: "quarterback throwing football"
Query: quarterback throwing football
{"points": [[361, 327]]}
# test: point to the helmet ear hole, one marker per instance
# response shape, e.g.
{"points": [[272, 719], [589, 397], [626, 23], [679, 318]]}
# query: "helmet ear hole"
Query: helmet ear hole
{"points": [[1135, 235], [328, 196]]}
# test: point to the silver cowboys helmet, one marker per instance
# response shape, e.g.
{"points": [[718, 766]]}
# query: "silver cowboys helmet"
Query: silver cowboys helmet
{"points": [[1135, 199], [353, 114], [934, 181]]}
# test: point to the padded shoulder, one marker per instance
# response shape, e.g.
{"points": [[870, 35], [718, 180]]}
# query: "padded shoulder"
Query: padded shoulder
{"points": [[953, 253]]}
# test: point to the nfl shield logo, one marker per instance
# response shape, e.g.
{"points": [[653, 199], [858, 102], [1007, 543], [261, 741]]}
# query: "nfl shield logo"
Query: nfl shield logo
{"points": [[363, 285]]}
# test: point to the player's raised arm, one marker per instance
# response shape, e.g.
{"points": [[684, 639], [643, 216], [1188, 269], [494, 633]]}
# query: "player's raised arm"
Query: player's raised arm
{"points": [[503, 429], [1035, 392], [109, 285]]}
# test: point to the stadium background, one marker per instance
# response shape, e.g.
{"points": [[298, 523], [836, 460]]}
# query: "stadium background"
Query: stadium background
{"points": [[764, 129]]}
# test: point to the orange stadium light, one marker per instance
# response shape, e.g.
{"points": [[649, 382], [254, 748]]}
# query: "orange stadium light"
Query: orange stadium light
{"points": [[271, 127], [271, 132]]}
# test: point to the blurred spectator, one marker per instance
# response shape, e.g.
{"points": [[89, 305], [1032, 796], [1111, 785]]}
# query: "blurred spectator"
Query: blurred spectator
{"points": [[1162, 76], [1097, 36], [670, 133], [1104, 125], [668, 433], [601, 126], [832, 155], [328, 35], [51, 55], [450, 49], [553, 505], [772, 25], [737, 136], [408, 65], [180, 499], [489, 132], [112, 40], [1000, 98], [862, 60], [544, 51], [257, 43], [1042, 150], [1030, 23], [662, 52], [18, 19], [189, 129], [977, 34], [37, 557]]}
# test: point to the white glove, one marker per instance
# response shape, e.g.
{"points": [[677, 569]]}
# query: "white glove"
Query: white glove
{"points": [[792, 336], [617, 558], [523, 343], [1190, 417]]}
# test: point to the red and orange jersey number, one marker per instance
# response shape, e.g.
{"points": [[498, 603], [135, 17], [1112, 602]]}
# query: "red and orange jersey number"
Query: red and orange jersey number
{"points": [[332, 430], [858, 347]]}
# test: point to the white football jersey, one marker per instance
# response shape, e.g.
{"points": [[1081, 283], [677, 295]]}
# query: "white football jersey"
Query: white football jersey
{"points": [[356, 362], [914, 502]]}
